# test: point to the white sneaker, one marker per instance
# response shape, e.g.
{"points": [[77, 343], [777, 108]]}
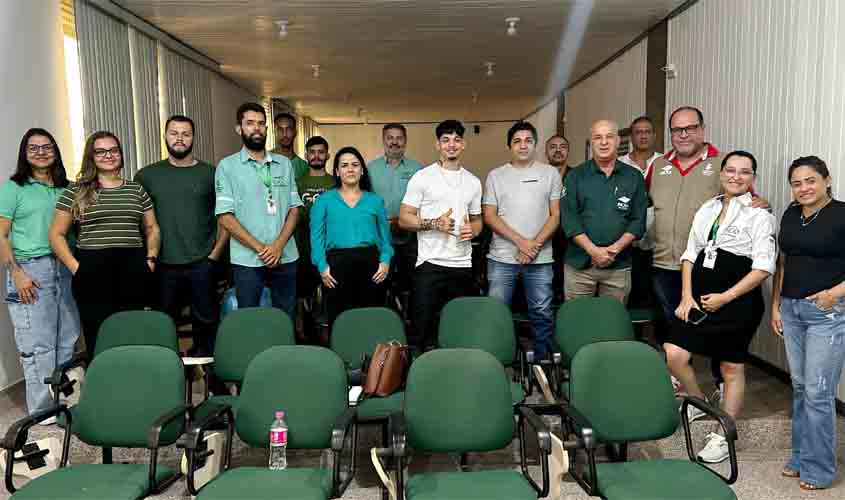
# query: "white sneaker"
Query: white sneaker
{"points": [[678, 388], [716, 449], [48, 421], [693, 413]]}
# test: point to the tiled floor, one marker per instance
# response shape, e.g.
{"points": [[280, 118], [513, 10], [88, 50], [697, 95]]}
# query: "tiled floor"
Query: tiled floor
{"points": [[763, 447]]}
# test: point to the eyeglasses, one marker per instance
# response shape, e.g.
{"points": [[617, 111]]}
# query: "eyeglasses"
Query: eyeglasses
{"points": [[43, 148], [732, 172], [102, 153], [689, 129]]}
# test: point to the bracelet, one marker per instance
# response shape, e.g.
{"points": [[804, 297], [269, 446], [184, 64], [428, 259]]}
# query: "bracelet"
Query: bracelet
{"points": [[427, 224]]}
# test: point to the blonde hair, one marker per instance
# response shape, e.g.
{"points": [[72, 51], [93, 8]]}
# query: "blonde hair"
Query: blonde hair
{"points": [[87, 183]]}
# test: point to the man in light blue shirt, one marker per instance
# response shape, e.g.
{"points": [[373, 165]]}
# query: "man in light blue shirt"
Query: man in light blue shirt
{"points": [[389, 175], [257, 202]]}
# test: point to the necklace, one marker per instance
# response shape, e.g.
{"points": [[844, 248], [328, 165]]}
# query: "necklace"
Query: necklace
{"points": [[805, 223]]}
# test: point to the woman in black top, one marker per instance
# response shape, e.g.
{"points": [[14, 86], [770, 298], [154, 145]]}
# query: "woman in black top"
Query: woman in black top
{"points": [[808, 311]]}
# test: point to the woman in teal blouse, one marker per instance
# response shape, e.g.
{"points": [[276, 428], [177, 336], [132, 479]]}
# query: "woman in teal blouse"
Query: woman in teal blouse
{"points": [[350, 238]]}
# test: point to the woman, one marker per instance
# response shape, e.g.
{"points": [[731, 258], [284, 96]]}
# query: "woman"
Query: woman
{"points": [[110, 266], [808, 310], [350, 238], [730, 252], [38, 292]]}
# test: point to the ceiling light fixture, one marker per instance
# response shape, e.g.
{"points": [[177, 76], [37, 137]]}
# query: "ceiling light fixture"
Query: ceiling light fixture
{"points": [[490, 66], [316, 70], [511, 22], [283, 27]]}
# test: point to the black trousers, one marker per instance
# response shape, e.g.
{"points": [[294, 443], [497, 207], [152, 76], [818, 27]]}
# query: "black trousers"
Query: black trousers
{"points": [[353, 269], [192, 284], [403, 264], [434, 286], [108, 281]]}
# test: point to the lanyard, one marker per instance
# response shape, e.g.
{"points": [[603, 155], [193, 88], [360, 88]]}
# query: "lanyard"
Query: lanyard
{"points": [[266, 177], [714, 230]]}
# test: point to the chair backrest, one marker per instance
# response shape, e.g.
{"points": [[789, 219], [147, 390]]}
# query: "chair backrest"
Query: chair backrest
{"points": [[126, 389], [308, 383], [243, 334], [458, 400], [624, 390], [479, 323], [137, 328], [357, 332], [591, 319]]}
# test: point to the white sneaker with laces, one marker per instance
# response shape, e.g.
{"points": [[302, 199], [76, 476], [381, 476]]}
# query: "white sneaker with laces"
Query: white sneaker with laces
{"points": [[716, 449], [694, 413]]}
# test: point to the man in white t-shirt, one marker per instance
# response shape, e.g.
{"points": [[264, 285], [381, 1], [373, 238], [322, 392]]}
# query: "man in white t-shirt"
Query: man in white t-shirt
{"points": [[521, 205], [443, 206]]}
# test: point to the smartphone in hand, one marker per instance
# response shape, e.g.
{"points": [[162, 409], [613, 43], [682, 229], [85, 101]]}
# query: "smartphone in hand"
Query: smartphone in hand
{"points": [[696, 316]]}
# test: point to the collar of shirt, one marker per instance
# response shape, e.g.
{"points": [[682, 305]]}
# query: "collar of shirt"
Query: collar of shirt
{"points": [[736, 205], [33, 180], [246, 158], [596, 169], [709, 152]]}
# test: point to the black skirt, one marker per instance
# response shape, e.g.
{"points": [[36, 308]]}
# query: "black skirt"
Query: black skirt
{"points": [[725, 334]]}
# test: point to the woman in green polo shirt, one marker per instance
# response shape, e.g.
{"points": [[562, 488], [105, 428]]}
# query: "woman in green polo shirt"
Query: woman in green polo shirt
{"points": [[38, 290]]}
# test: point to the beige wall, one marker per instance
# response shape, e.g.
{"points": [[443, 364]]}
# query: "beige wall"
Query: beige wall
{"points": [[225, 99]]}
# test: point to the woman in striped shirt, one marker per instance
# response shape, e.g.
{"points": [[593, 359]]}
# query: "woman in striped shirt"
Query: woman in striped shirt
{"points": [[116, 222]]}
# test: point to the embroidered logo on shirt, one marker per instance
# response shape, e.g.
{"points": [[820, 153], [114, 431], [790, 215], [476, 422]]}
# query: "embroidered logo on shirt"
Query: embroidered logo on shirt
{"points": [[623, 203], [666, 170], [708, 169]]}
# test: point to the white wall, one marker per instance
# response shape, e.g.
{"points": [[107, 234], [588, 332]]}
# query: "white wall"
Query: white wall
{"points": [[225, 99], [617, 92], [32, 94], [769, 81]]}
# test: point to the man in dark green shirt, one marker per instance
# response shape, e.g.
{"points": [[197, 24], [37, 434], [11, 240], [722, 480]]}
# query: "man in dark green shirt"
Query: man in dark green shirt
{"points": [[605, 211], [285, 127], [182, 189], [310, 186]]}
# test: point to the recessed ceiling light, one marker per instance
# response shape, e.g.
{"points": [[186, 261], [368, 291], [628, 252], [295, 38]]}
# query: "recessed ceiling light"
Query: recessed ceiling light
{"points": [[511, 22], [490, 66], [283, 27]]}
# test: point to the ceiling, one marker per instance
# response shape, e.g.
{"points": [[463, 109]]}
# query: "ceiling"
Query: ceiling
{"points": [[405, 60]]}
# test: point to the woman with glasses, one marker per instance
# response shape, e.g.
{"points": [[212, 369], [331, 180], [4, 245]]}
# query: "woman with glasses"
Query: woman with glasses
{"points": [[116, 223], [38, 291], [350, 238], [808, 311], [730, 252]]}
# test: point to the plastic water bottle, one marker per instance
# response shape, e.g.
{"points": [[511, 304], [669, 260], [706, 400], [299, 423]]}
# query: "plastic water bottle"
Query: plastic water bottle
{"points": [[279, 442]]}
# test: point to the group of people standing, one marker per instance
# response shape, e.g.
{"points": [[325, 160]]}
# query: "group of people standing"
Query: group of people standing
{"points": [[686, 225]]}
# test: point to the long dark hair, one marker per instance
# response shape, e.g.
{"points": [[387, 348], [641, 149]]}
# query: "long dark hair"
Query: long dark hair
{"points": [[364, 183], [24, 169], [87, 183]]}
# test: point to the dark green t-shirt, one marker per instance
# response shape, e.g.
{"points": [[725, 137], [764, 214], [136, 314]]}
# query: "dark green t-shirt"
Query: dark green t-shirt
{"points": [[184, 206], [309, 188]]}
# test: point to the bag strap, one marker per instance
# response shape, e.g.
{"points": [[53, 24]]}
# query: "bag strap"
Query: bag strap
{"points": [[385, 479]]}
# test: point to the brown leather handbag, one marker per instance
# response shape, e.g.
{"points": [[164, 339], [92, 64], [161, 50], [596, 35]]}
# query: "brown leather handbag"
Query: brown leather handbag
{"points": [[386, 369]]}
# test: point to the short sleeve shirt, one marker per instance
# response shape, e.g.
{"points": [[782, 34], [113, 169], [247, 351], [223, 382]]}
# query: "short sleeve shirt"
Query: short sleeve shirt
{"points": [[30, 208]]}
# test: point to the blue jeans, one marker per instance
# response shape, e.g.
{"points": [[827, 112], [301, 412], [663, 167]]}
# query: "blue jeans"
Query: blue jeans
{"points": [[281, 280], [46, 331], [815, 348], [667, 290], [537, 281]]}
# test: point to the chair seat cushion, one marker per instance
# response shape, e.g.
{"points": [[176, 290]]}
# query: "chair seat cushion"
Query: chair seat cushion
{"points": [[488, 485], [255, 483], [204, 408], [375, 408], [88, 481], [660, 479], [517, 392]]}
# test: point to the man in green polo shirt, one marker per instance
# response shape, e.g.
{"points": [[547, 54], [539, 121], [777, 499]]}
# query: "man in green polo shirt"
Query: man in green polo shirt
{"points": [[285, 128], [389, 175], [257, 202], [605, 212]]}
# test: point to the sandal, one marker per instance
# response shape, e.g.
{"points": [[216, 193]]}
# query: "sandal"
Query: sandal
{"points": [[810, 486], [787, 472]]}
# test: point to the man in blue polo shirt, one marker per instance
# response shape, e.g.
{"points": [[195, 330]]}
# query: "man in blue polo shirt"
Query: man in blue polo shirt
{"points": [[257, 202]]}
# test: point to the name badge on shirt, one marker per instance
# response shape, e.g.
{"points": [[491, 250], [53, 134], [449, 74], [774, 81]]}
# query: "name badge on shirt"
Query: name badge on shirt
{"points": [[710, 255], [272, 208]]}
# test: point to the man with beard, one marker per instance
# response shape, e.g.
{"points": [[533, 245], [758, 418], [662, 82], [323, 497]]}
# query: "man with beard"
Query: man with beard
{"points": [[310, 187], [257, 202], [182, 189], [557, 153], [285, 128]]}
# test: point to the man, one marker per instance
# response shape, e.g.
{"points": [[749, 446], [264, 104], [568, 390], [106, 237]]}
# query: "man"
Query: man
{"points": [[642, 156], [557, 154], [521, 205], [389, 175], [285, 127], [258, 204], [182, 190], [443, 206], [605, 212], [310, 186]]}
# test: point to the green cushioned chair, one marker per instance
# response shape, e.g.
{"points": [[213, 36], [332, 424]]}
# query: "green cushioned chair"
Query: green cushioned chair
{"points": [[309, 384], [442, 416], [243, 334], [608, 406], [134, 398], [483, 323]]}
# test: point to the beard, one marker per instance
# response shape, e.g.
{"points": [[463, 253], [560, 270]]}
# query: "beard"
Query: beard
{"points": [[254, 143], [317, 166], [180, 155]]}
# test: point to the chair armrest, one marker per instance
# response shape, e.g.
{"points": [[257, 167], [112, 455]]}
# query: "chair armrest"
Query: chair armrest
{"points": [[154, 437], [341, 479], [398, 430], [544, 438], [728, 427], [58, 381], [585, 439], [217, 414], [18, 433], [544, 441]]}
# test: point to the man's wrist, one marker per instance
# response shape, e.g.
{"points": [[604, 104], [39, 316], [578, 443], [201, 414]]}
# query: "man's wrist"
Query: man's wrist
{"points": [[427, 224]]}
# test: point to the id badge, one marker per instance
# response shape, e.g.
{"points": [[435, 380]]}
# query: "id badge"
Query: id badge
{"points": [[709, 256], [271, 206]]}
